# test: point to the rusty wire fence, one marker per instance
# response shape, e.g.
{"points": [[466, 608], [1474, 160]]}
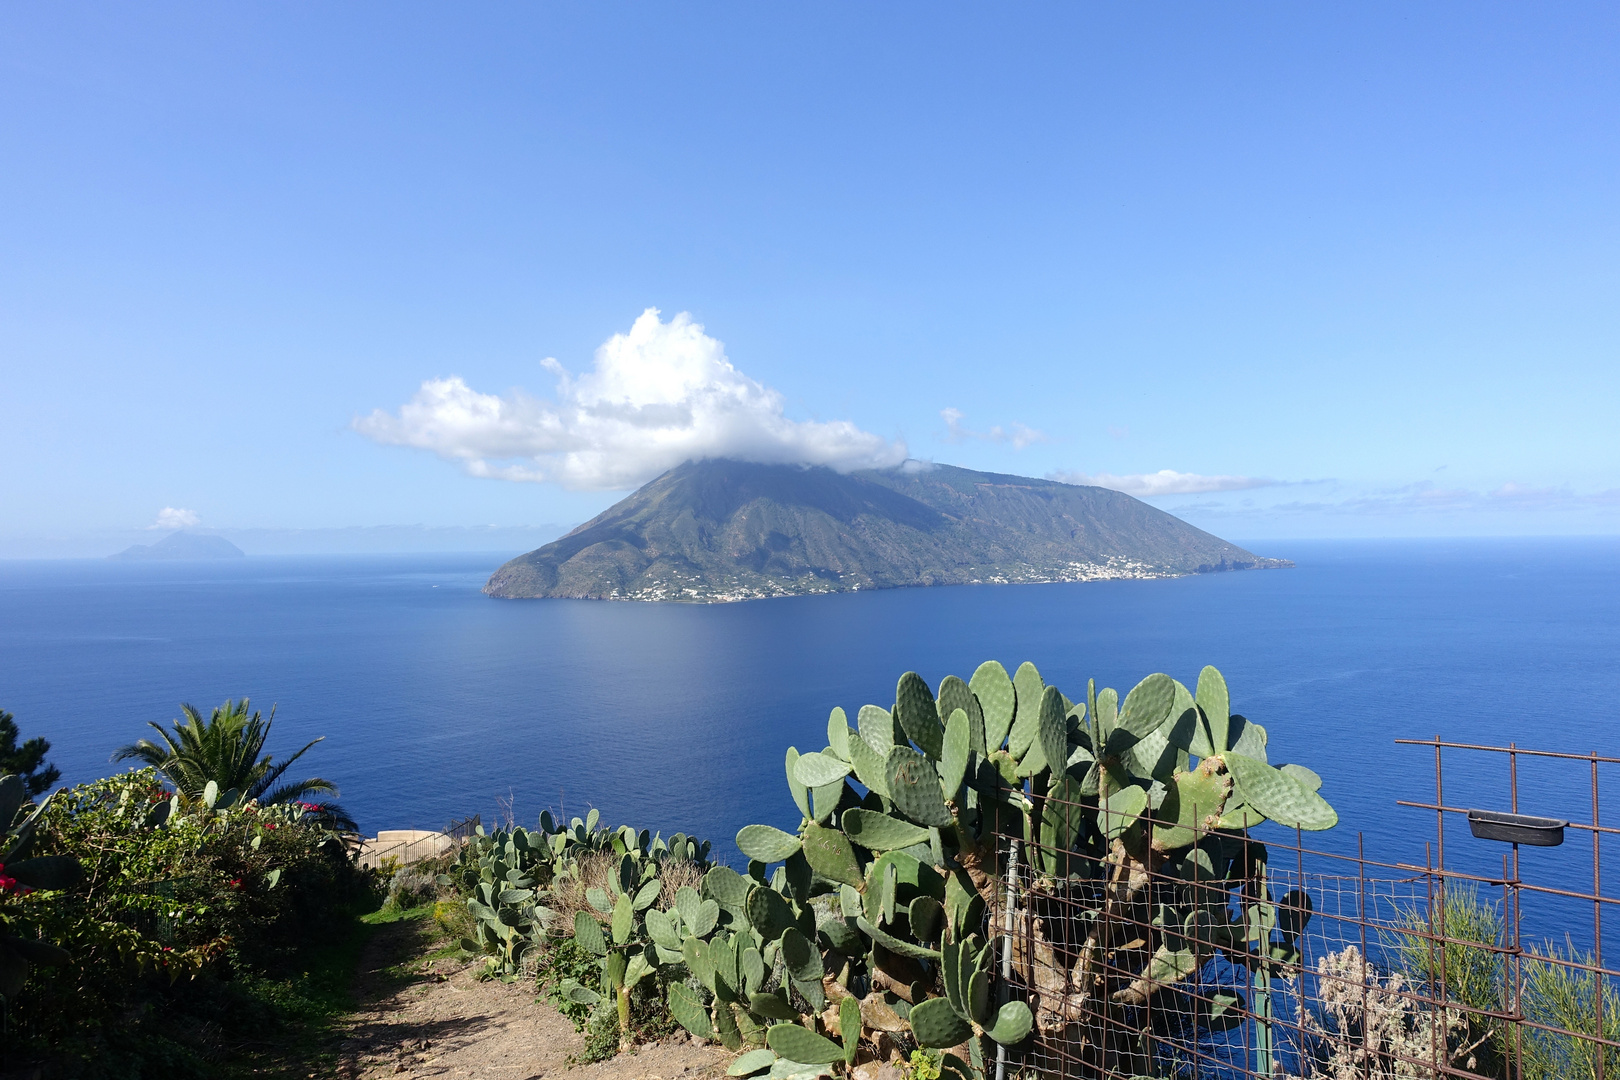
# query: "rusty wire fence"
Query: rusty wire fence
{"points": [[1447, 951]]}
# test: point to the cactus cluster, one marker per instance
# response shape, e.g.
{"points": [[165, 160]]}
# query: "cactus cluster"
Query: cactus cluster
{"points": [[1134, 818], [17, 869], [505, 875]]}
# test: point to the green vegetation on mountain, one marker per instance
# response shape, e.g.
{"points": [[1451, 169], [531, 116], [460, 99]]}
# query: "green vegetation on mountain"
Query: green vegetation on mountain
{"points": [[729, 530]]}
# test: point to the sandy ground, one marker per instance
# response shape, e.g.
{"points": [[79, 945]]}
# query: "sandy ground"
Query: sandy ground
{"points": [[443, 1022]]}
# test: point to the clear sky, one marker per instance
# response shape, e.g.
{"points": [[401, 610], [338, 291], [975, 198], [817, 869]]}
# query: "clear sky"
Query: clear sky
{"points": [[1341, 269]]}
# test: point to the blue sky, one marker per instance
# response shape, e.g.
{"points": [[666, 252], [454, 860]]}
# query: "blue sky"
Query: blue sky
{"points": [[1342, 270]]}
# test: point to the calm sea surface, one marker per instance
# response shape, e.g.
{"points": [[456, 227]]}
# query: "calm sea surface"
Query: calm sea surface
{"points": [[436, 702]]}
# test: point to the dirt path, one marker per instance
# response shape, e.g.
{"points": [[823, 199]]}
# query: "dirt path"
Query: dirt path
{"points": [[435, 1020]]}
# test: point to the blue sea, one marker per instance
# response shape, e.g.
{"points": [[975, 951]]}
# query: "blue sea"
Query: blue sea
{"points": [[437, 702]]}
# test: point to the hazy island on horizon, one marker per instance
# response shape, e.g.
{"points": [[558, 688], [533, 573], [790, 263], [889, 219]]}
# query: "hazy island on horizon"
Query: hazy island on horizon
{"points": [[182, 545], [721, 530]]}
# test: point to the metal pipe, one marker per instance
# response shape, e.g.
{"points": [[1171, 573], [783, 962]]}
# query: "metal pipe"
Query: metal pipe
{"points": [[1006, 947]]}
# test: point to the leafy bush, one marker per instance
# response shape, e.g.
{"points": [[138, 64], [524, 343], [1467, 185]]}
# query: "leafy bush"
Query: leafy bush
{"points": [[171, 921], [1469, 966], [26, 759], [1572, 998]]}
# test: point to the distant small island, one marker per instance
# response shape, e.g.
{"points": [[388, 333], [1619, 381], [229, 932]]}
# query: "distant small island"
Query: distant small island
{"points": [[720, 530], [182, 545]]}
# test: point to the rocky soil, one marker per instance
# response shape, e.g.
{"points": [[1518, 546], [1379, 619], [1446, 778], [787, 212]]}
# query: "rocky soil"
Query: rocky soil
{"points": [[434, 1019]]}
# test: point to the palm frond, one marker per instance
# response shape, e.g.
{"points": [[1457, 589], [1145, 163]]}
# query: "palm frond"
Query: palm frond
{"points": [[227, 749], [272, 773], [295, 792]]}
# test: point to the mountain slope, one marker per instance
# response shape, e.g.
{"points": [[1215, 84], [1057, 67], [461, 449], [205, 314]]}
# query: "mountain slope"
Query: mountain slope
{"points": [[729, 530]]}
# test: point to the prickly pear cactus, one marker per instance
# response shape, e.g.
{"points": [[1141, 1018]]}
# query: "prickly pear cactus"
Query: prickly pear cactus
{"points": [[1133, 816]]}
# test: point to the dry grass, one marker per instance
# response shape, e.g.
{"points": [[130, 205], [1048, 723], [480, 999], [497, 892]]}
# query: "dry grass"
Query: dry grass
{"points": [[676, 874], [567, 895]]}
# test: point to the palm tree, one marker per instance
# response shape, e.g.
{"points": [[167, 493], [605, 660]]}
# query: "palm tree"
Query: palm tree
{"points": [[225, 749]]}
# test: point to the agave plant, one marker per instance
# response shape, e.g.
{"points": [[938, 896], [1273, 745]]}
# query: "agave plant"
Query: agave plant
{"points": [[227, 750]]}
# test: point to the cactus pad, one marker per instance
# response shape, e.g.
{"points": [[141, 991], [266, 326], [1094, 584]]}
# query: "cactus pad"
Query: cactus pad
{"points": [[926, 917], [849, 1028], [800, 793], [838, 733], [773, 1006], [1305, 776], [766, 844], [768, 913], [752, 1062], [799, 1044], [918, 714], [802, 958], [1052, 732], [707, 918], [1194, 802], [877, 729], [869, 766], [1013, 1024], [727, 888], [1215, 702], [997, 700], [953, 759], [588, 934], [954, 694], [937, 1026], [1279, 796], [688, 1011], [751, 968], [661, 928], [1122, 810], [1246, 737], [1147, 705], [898, 946], [829, 854], [914, 787], [880, 832], [1028, 688], [818, 770]]}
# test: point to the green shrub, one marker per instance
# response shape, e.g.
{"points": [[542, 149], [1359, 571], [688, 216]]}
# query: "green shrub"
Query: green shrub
{"points": [[561, 962], [1469, 966], [174, 928], [1561, 996]]}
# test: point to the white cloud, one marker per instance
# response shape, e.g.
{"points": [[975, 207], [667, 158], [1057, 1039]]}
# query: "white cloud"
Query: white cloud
{"points": [[1018, 434], [662, 394], [172, 517], [1163, 482]]}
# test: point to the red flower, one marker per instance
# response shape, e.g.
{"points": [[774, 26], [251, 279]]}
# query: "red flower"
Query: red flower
{"points": [[269, 824]]}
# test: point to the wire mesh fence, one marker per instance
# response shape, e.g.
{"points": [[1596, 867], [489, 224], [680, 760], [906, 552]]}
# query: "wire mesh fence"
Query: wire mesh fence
{"points": [[1262, 953]]}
